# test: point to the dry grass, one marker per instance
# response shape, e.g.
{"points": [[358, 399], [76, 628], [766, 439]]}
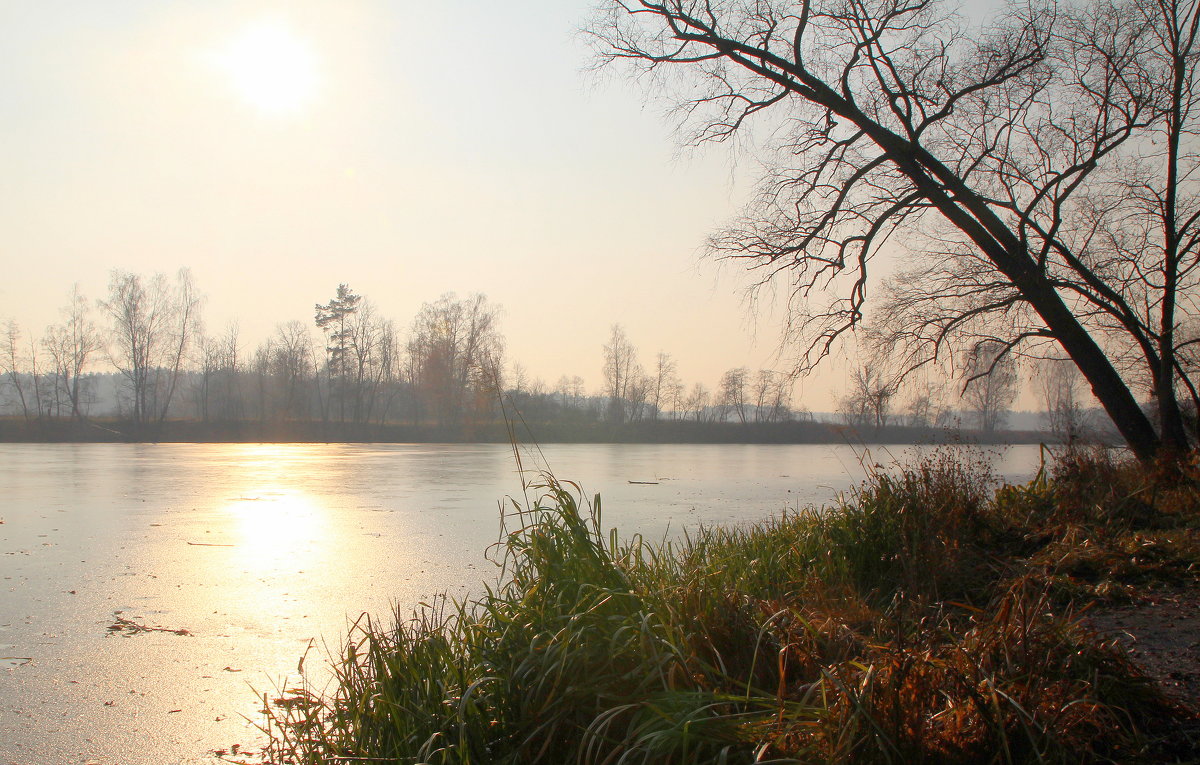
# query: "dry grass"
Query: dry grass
{"points": [[927, 618]]}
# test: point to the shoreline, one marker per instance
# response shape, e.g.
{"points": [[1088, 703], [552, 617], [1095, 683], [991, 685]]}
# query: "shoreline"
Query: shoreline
{"points": [[650, 432]]}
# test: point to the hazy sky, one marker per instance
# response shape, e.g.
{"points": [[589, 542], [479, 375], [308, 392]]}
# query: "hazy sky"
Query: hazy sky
{"points": [[408, 149]]}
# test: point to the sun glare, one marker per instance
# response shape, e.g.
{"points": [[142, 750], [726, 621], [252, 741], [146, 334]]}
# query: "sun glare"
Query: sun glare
{"points": [[276, 529], [271, 68]]}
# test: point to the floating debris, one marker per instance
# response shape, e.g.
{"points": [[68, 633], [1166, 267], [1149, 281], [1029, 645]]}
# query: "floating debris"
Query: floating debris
{"points": [[129, 627], [237, 754]]}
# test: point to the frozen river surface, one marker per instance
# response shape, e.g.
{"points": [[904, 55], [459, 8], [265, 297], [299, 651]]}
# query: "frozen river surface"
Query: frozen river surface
{"points": [[243, 553]]}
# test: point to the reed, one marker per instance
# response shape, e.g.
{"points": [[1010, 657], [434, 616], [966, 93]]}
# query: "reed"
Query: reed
{"points": [[926, 617]]}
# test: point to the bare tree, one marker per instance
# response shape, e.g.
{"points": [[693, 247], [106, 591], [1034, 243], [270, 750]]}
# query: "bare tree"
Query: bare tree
{"points": [[666, 379], [772, 396], [183, 328], [1061, 390], [637, 394], [42, 398], [869, 402], [1007, 151], [990, 384], [520, 383], [229, 401], [260, 371], [621, 372], [374, 360], [732, 394], [14, 364], [71, 345], [206, 369], [385, 387], [677, 397], [562, 389], [698, 403], [292, 365], [152, 326], [571, 391], [456, 356], [925, 405]]}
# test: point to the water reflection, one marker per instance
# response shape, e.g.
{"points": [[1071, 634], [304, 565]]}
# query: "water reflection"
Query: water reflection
{"points": [[275, 526], [272, 519]]}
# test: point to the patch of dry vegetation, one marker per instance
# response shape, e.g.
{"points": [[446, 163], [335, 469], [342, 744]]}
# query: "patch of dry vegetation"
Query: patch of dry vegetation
{"points": [[927, 618]]}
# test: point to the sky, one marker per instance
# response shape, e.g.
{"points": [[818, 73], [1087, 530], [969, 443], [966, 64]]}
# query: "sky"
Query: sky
{"points": [[408, 149]]}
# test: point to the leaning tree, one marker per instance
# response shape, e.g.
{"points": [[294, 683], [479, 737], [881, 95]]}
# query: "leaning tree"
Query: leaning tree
{"points": [[1038, 171]]}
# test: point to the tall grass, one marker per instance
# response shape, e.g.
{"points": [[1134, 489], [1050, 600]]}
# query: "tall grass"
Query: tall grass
{"points": [[922, 619]]}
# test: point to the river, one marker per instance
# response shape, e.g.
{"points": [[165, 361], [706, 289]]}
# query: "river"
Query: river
{"points": [[240, 556]]}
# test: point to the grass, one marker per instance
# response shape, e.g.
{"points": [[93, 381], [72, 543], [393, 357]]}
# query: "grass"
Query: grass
{"points": [[927, 617]]}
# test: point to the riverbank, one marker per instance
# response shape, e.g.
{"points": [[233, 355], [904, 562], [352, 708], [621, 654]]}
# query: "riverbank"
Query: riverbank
{"points": [[15, 430], [926, 618]]}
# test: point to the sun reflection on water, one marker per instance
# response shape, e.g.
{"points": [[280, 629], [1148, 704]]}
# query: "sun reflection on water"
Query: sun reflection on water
{"points": [[275, 521], [275, 527]]}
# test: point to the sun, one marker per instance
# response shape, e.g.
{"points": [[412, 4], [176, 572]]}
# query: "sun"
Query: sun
{"points": [[270, 68]]}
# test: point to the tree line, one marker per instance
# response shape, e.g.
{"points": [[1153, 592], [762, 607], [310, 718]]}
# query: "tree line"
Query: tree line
{"points": [[141, 355], [349, 365], [144, 348]]}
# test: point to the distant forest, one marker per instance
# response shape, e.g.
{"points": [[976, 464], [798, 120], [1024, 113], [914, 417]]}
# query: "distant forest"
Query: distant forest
{"points": [[136, 365]]}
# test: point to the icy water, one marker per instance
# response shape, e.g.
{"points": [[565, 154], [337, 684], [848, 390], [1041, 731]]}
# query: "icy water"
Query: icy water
{"points": [[241, 556]]}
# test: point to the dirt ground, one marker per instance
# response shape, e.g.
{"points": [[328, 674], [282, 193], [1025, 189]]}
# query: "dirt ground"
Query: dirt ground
{"points": [[1162, 633]]}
